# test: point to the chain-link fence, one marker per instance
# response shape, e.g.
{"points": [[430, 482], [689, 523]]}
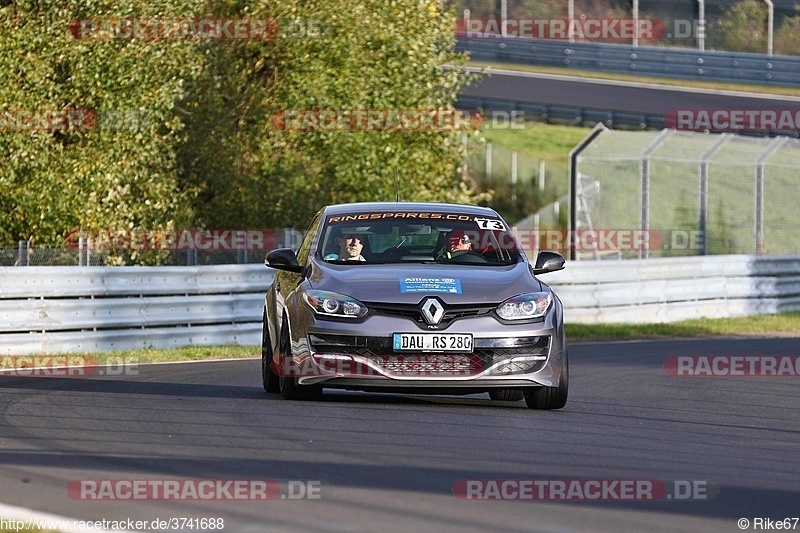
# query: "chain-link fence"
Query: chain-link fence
{"points": [[521, 184], [687, 193]]}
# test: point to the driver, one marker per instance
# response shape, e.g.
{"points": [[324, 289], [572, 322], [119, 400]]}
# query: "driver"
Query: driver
{"points": [[459, 248], [350, 247]]}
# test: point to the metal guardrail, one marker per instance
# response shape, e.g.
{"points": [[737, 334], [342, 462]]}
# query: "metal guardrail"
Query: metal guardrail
{"points": [[85, 309], [575, 115], [647, 60], [673, 289]]}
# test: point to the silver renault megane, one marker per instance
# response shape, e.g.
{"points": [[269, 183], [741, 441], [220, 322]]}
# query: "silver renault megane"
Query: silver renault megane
{"points": [[413, 298]]}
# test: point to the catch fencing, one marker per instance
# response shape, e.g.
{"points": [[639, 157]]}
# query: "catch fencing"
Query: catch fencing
{"points": [[51, 310], [691, 193]]}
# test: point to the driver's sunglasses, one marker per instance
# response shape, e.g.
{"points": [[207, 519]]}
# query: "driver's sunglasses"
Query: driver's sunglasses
{"points": [[349, 238], [464, 239]]}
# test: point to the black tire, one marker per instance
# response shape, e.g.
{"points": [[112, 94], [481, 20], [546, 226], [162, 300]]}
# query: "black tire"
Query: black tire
{"points": [[506, 395], [550, 397], [287, 385], [268, 379]]}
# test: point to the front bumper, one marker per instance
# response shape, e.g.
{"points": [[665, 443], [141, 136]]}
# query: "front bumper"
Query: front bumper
{"points": [[340, 355]]}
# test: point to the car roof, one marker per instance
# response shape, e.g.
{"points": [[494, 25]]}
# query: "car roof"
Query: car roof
{"points": [[382, 207]]}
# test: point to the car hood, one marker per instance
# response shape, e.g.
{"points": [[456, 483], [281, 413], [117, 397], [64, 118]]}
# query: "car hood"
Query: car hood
{"points": [[408, 283]]}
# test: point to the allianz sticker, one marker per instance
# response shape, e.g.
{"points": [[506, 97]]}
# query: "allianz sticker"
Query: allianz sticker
{"points": [[445, 285]]}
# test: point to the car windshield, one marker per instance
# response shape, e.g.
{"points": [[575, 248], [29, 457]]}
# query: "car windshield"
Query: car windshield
{"points": [[417, 237]]}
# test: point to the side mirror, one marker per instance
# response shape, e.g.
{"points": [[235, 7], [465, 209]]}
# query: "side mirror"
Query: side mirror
{"points": [[548, 262], [283, 259]]}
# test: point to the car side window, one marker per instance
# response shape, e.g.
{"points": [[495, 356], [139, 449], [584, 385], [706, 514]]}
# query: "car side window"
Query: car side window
{"points": [[308, 240]]}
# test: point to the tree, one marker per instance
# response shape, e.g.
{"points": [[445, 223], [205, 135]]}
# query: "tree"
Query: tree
{"points": [[742, 28], [181, 132], [372, 56], [787, 38], [91, 126]]}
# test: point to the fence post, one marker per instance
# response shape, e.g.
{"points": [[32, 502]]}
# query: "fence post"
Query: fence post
{"points": [[573, 181], [488, 161], [514, 177], [570, 18], [464, 173], [644, 176], [701, 25], [770, 25], [241, 254], [702, 223], [773, 147], [541, 175]]}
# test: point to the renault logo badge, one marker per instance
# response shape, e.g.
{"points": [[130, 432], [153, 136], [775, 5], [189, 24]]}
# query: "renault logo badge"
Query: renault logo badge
{"points": [[432, 311]]}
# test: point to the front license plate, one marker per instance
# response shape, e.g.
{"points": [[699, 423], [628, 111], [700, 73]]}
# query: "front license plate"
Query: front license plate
{"points": [[433, 342]]}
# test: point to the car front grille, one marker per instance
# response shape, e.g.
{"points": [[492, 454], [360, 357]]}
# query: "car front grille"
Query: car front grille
{"points": [[508, 355], [412, 311]]}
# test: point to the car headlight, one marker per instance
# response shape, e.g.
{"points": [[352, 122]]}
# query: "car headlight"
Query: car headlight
{"points": [[331, 304], [525, 306]]}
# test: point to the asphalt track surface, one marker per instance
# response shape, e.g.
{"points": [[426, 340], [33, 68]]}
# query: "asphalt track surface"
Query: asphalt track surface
{"points": [[620, 97], [389, 462]]}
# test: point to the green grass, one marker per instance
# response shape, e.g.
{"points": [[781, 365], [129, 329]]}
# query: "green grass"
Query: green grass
{"points": [[700, 84], [549, 142], [787, 324], [151, 355]]}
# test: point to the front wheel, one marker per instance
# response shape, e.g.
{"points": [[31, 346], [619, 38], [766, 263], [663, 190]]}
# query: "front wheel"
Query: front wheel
{"points": [[287, 385], [550, 397], [268, 379]]}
